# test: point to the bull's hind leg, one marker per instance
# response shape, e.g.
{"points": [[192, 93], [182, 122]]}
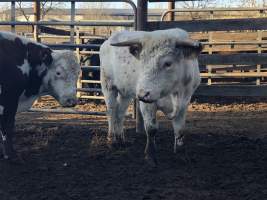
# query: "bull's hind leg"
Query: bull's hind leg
{"points": [[151, 126], [122, 105], [111, 103], [116, 108]]}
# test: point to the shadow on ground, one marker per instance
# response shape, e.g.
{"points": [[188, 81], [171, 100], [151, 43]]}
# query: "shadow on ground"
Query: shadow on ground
{"points": [[67, 159]]}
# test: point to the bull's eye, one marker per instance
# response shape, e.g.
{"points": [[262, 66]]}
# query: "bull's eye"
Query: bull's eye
{"points": [[167, 64], [58, 73]]}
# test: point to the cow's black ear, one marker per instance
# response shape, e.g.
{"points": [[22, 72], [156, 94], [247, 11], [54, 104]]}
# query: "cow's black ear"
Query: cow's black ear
{"points": [[135, 50], [46, 56]]}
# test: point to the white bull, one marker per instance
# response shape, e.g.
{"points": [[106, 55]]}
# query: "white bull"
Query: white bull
{"points": [[160, 68]]}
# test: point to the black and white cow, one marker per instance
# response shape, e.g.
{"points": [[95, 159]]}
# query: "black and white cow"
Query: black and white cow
{"points": [[29, 70]]}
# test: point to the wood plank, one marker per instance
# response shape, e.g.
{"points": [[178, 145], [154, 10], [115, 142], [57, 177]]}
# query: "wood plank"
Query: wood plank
{"points": [[234, 75], [212, 25], [232, 90], [237, 59]]}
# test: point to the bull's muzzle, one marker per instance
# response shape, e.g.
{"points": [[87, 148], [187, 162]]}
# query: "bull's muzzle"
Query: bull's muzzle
{"points": [[145, 96]]}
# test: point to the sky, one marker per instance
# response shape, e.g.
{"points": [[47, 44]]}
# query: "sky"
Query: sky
{"points": [[219, 3]]}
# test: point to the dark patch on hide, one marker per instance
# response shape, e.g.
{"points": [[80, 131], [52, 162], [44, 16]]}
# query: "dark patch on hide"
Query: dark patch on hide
{"points": [[37, 55]]}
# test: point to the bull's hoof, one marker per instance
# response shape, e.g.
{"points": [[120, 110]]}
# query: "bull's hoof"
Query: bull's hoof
{"points": [[151, 161], [14, 159], [116, 144]]}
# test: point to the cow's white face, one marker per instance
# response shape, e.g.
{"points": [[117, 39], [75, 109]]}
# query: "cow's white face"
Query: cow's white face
{"points": [[62, 77]]}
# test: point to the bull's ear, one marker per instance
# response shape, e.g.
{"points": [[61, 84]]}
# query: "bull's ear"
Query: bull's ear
{"points": [[189, 48], [133, 40], [46, 55], [135, 50]]}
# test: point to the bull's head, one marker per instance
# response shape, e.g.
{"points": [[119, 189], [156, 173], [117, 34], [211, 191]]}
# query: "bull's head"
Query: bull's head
{"points": [[168, 58]]}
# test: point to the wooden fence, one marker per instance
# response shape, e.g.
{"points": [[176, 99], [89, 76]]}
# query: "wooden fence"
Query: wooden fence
{"points": [[234, 60]]}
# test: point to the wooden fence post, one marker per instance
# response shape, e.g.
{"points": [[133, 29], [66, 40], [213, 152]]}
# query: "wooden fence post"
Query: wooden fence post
{"points": [[13, 15], [36, 9], [72, 19], [259, 49], [210, 50], [78, 41]]}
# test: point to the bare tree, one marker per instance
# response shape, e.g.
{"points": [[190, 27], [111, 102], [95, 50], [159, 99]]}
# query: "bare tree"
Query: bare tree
{"points": [[46, 7], [97, 12], [253, 3], [198, 5], [248, 3], [22, 11]]}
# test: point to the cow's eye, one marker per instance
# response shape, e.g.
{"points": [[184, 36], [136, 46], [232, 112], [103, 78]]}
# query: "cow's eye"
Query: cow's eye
{"points": [[58, 73]]}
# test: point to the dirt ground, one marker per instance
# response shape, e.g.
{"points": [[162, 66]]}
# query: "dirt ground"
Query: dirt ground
{"points": [[66, 158]]}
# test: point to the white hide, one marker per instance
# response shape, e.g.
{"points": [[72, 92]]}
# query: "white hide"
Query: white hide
{"points": [[25, 68], [123, 75]]}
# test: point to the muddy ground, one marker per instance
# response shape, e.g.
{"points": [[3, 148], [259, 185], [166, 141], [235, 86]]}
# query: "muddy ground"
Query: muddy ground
{"points": [[66, 158]]}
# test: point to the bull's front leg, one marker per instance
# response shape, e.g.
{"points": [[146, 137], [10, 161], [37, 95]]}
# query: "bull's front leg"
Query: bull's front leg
{"points": [[178, 122], [9, 106], [151, 126], [7, 122]]}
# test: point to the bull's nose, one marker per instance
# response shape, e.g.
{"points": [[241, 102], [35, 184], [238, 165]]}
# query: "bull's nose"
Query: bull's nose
{"points": [[144, 96]]}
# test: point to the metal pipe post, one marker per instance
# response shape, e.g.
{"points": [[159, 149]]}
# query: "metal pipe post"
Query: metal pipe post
{"points": [[141, 26], [171, 6]]}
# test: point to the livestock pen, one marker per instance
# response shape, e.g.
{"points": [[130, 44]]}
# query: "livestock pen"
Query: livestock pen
{"points": [[225, 153]]}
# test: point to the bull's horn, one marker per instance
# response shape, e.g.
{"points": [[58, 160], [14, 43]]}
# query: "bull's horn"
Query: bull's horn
{"points": [[126, 43], [127, 38], [191, 43], [188, 42]]}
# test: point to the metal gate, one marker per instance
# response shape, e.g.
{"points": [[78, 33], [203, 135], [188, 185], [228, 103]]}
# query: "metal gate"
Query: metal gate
{"points": [[75, 42]]}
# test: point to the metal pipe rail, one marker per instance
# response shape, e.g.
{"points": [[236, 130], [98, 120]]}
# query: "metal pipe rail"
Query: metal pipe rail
{"points": [[73, 46], [91, 68], [66, 111], [89, 89], [210, 10], [71, 111], [68, 23]]}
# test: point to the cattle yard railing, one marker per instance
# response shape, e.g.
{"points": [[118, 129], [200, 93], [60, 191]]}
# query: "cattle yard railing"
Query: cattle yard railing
{"points": [[75, 43], [234, 60]]}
